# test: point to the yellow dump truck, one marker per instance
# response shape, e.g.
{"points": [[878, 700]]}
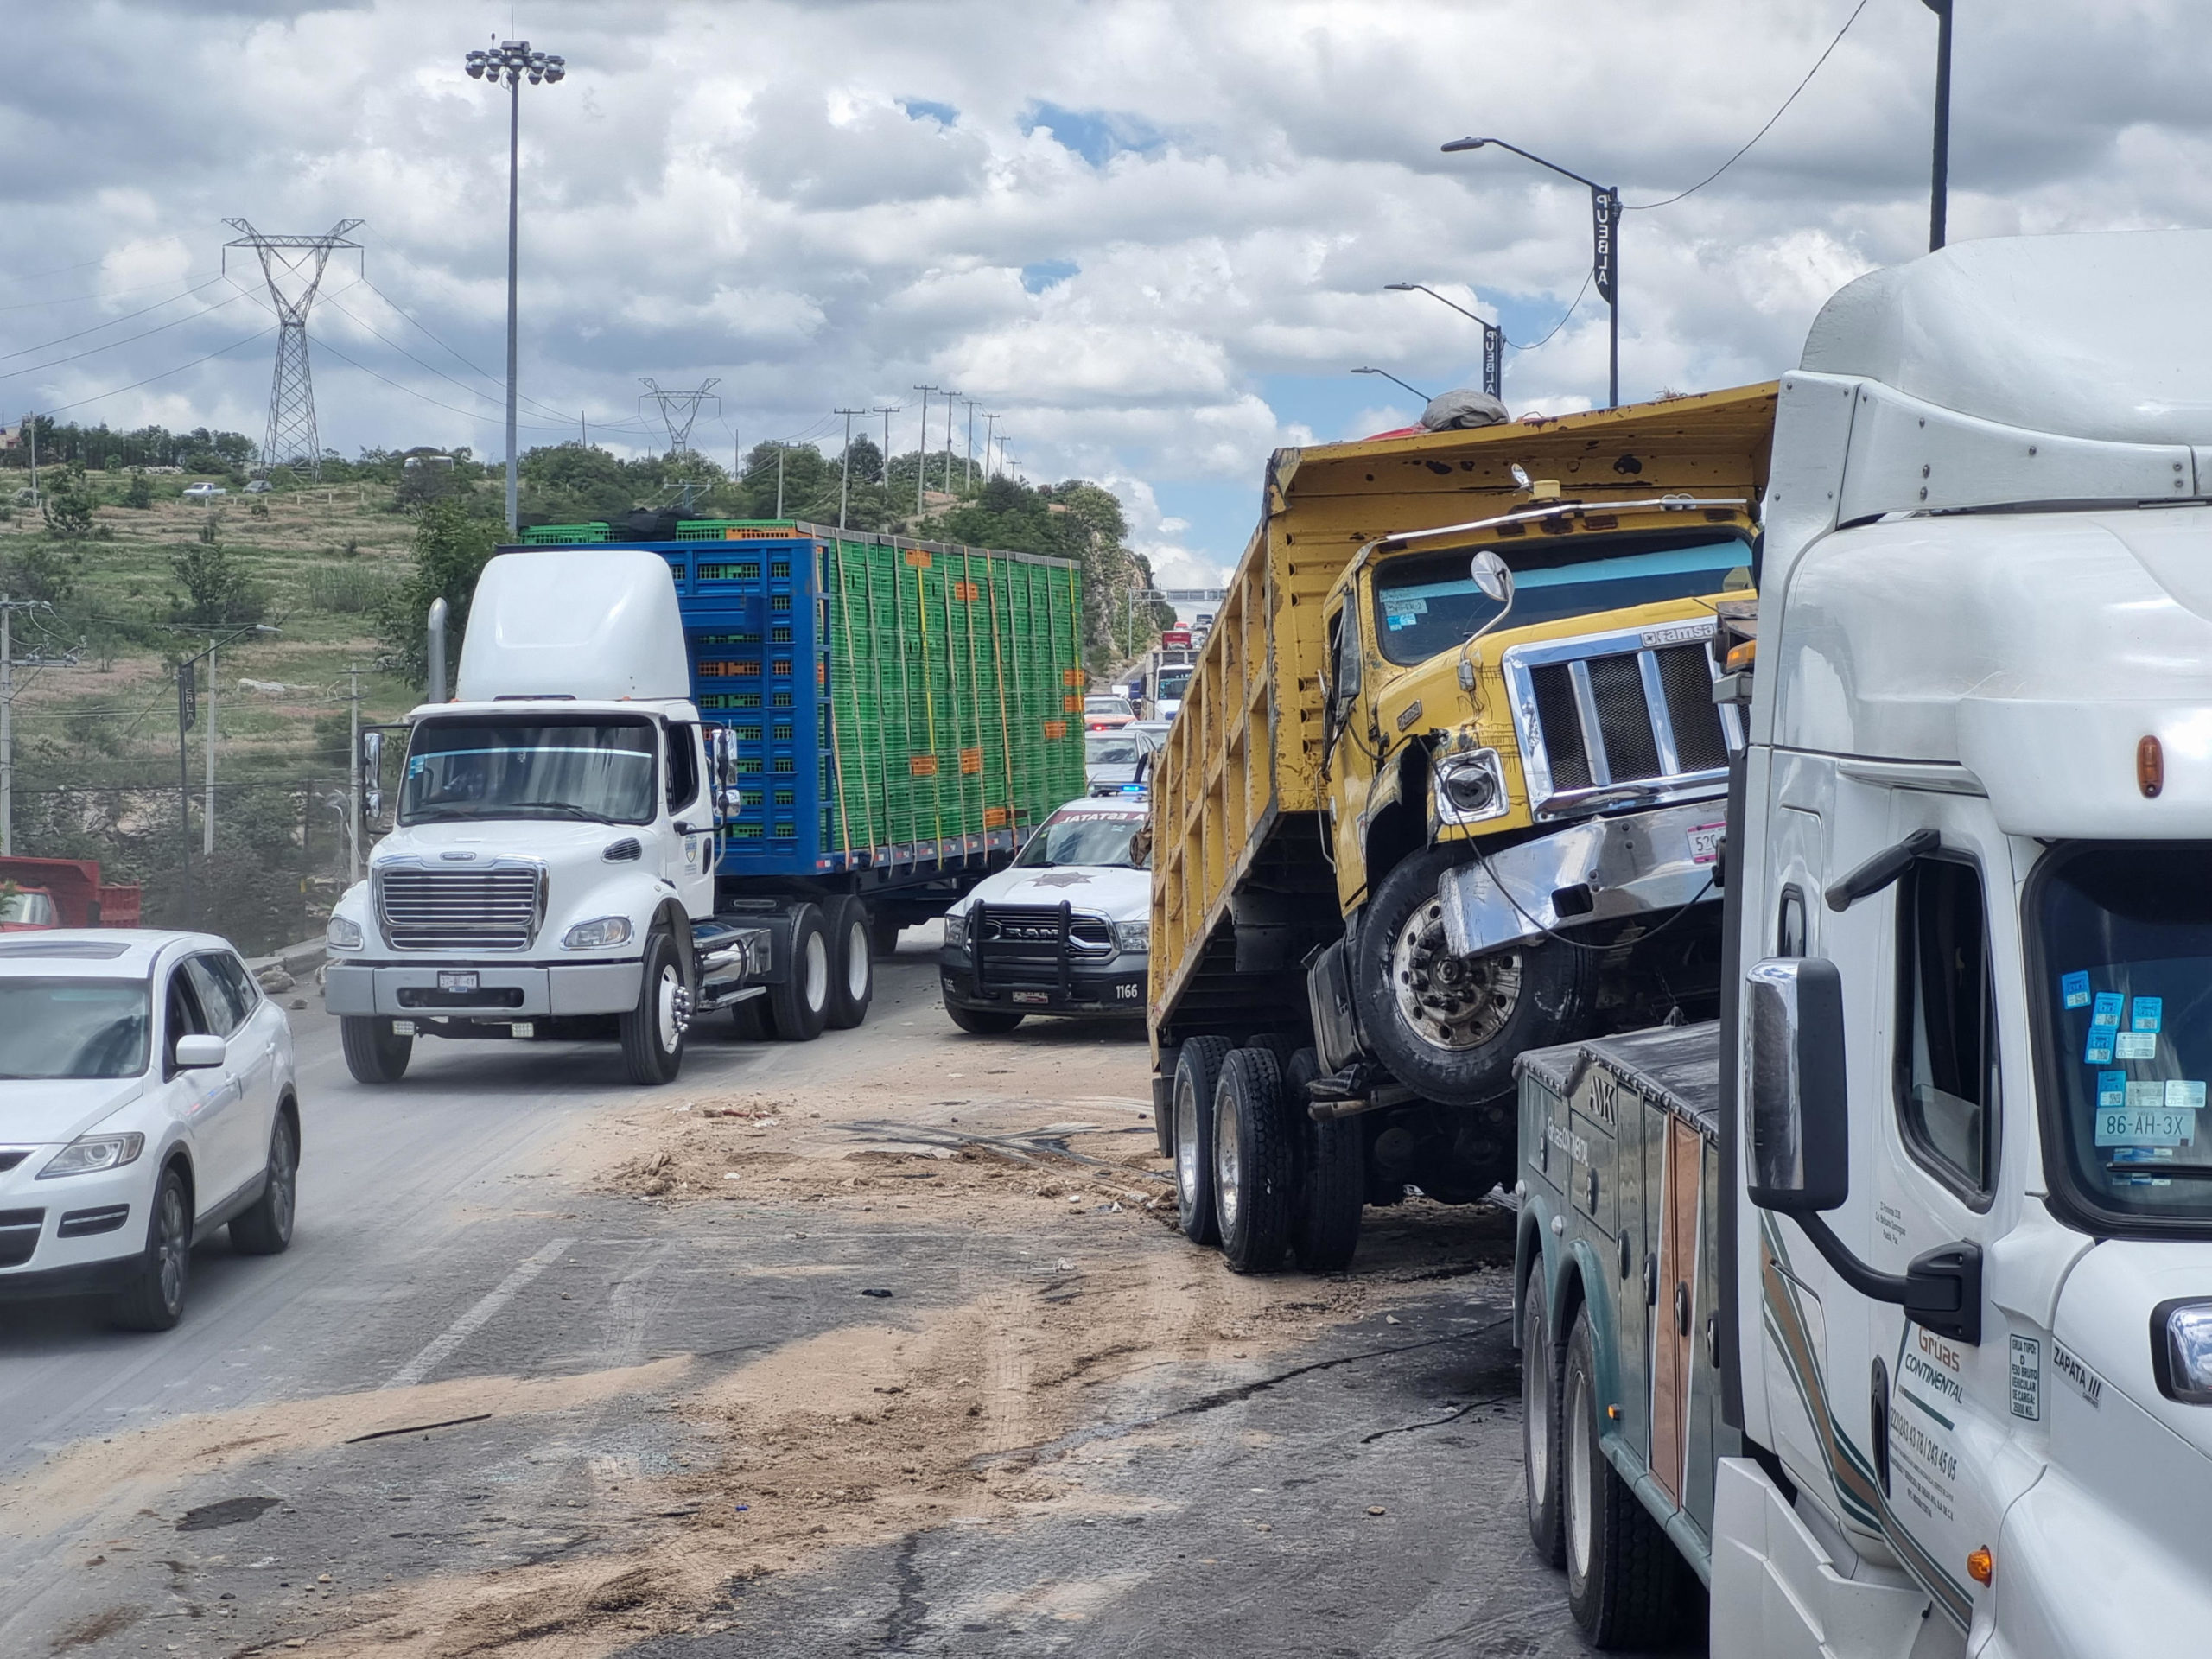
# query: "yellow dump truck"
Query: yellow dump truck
{"points": [[1447, 785]]}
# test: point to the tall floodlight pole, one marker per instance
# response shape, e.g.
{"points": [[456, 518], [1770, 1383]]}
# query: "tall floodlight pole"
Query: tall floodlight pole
{"points": [[1939, 188], [292, 268], [1493, 336], [1605, 226], [514, 62], [845, 473]]}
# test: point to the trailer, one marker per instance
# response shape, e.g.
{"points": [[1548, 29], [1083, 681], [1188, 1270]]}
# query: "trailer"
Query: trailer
{"points": [[40, 893]]}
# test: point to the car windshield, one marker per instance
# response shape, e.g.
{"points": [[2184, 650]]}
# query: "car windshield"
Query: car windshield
{"points": [[1079, 837], [72, 1028], [1429, 603], [2124, 943], [1108, 749], [596, 768], [1105, 705]]}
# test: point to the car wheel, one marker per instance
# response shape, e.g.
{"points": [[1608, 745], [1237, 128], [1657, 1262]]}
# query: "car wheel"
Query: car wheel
{"points": [[1252, 1162], [1198, 1074], [1540, 1421], [266, 1229], [799, 1007], [982, 1022], [374, 1052], [653, 1031], [852, 967], [1330, 1192], [154, 1299], [1621, 1571]]}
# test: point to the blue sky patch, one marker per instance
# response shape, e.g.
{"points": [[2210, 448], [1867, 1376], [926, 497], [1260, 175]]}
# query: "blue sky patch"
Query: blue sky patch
{"points": [[1046, 272], [923, 109], [1098, 135]]}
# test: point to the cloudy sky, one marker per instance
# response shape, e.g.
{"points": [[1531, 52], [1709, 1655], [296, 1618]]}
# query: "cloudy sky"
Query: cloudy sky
{"points": [[1151, 235]]}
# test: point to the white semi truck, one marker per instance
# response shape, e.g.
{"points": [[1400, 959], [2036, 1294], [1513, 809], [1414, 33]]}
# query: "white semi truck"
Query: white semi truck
{"points": [[1883, 1305]]}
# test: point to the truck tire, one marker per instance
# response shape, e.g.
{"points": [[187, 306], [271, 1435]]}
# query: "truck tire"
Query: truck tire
{"points": [[1332, 1180], [852, 963], [374, 1054], [1198, 1074], [653, 1031], [883, 930], [982, 1022], [154, 1299], [799, 1007], [1622, 1573], [1253, 1162], [266, 1229], [1448, 1028], [1540, 1438]]}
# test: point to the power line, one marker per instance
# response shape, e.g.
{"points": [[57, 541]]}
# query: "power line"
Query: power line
{"points": [[62, 409], [91, 351], [1640, 206], [87, 299], [59, 270], [1563, 320], [25, 351], [420, 329]]}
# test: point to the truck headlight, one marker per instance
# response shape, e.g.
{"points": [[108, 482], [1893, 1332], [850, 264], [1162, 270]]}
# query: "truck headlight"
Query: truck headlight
{"points": [[2181, 1352], [93, 1152], [955, 929], [597, 936], [1133, 938], [1471, 787], [340, 934]]}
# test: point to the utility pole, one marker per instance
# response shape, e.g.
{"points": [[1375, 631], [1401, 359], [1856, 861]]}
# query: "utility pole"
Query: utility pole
{"points": [[187, 701], [207, 812], [922, 456], [968, 471], [949, 396], [887, 411], [779, 480], [353, 780], [32, 421], [990, 436], [1939, 194], [7, 731], [845, 473]]}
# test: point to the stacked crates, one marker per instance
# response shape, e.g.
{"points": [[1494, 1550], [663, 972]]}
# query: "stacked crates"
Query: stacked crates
{"points": [[895, 704]]}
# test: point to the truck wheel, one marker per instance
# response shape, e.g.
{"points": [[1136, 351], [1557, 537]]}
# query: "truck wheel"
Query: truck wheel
{"points": [[1448, 1028], [653, 1032], [982, 1022], [154, 1299], [799, 1007], [1621, 1572], [1252, 1162], [1331, 1178], [1540, 1421], [1198, 1074], [883, 931], [374, 1052], [852, 963]]}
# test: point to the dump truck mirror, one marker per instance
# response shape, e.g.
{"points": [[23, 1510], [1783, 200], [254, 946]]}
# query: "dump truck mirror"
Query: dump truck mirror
{"points": [[1491, 575], [1794, 1077], [372, 774]]}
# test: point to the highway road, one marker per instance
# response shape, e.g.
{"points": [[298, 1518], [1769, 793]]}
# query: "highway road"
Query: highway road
{"points": [[766, 1364]]}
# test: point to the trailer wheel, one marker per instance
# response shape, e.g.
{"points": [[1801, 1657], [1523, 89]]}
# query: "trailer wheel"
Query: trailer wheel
{"points": [[653, 1031], [1540, 1436], [1253, 1163], [374, 1053], [799, 1007], [1331, 1178], [852, 963], [1447, 1026], [982, 1022], [1197, 1073], [1621, 1570]]}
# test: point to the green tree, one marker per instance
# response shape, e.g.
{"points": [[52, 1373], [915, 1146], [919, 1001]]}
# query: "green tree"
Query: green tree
{"points": [[452, 547], [217, 590], [139, 491], [69, 515]]}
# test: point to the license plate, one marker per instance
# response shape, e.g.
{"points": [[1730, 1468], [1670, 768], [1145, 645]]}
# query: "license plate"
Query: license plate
{"points": [[450, 981], [1704, 842], [1032, 997]]}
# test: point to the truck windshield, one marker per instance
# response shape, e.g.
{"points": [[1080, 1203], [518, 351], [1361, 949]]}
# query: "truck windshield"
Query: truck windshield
{"points": [[2124, 939], [1093, 838], [1171, 682], [595, 767], [21, 909], [57, 1028], [1428, 603]]}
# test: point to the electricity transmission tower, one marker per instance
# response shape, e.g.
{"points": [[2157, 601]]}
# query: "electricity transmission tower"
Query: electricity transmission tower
{"points": [[678, 408], [293, 263]]}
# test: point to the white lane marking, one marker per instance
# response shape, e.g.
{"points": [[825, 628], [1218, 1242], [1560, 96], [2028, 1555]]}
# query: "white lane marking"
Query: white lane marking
{"points": [[468, 1324]]}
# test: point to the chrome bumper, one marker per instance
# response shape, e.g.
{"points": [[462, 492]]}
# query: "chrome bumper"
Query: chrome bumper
{"points": [[502, 992], [1599, 870]]}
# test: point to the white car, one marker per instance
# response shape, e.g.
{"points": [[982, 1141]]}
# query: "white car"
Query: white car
{"points": [[204, 491], [147, 1097], [1066, 929], [1111, 759]]}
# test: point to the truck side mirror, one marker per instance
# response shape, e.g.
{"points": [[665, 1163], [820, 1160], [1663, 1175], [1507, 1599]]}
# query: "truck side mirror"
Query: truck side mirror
{"points": [[722, 758], [1794, 1073], [372, 774]]}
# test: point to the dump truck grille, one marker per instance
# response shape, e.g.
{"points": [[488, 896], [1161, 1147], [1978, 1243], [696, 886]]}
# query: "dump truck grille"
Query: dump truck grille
{"points": [[461, 910], [1030, 947], [1619, 720]]}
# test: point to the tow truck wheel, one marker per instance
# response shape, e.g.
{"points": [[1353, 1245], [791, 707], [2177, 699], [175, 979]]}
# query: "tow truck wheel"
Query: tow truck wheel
{"points": [[1540, 1421], [374, 1054], [799, 1007], [852, 975], [653, 1031], [1197, 1073], [1621, 1572], [1448, 1027], [1331, 1178], [1252, 1162]]}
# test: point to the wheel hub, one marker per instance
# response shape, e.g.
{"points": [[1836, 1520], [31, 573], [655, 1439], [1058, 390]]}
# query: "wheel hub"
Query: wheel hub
{"points": [[1453, 1003]]}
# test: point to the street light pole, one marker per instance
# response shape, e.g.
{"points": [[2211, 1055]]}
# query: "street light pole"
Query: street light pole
{"points": [[1939, 192], [1605, 224], [514, 60], [1493, 336], [1387, 375]]}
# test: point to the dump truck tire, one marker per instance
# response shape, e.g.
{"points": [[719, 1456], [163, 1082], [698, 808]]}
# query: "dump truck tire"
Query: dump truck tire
{"points": [[1198, 1074], [373, 1053], [1330, 1184], [1255, 1169]]}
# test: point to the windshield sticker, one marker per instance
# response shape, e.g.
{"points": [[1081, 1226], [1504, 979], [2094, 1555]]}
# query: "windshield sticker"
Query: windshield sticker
{"points": [[2183, 1094], [1398, 604], [2136, 1046], [2098, 1052], [2145, 1097], [2145, 1014], [416, 766], [2112, 1089], [2073, 990], [2108, 1011]]}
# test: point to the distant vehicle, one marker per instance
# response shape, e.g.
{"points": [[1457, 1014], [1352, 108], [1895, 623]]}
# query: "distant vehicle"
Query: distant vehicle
{"points": [[1159, 728], [1067, 930], [147, 1096], [258, 487], [42, 892], [1110, 759], [203, 492], [1101, 703], [1174, 638]]}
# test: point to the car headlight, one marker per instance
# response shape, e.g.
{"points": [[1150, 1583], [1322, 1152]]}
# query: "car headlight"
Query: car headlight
{"points": [[90, 1153], [955, 929], [597, 936], [342, 935], [2181, 1350], [1133, 938], [1471, 787]]}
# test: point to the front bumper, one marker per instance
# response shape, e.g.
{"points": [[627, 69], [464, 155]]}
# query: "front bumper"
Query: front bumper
{"points": [[503, 990], [1599, 870], [1113, 988], [112, 1203]]}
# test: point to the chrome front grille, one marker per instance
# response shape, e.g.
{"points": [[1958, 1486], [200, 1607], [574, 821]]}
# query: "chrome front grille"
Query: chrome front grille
{"points": [[1620, 719], [498, 909]]}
